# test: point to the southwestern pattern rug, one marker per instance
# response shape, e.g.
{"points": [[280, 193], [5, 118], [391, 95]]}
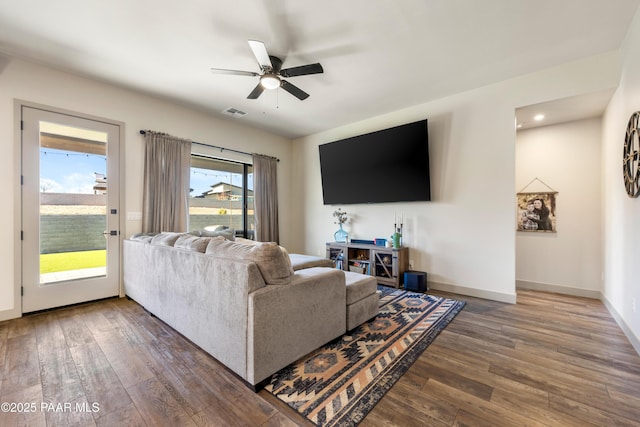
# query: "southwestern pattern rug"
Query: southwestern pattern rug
{"points": [[338, 384]]}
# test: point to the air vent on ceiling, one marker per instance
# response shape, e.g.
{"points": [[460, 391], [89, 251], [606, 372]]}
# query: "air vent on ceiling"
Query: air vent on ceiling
{"points": [[234, 112]]}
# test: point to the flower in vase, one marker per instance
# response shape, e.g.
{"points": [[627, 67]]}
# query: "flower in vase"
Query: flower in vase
{"points": [[341, 217]]}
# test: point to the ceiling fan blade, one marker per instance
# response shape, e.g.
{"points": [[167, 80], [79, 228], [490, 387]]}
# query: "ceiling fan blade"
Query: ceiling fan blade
{"points": [[234, 72], [260, 52], [276, 63], [302, 70], [256, 92], [294, 90]]}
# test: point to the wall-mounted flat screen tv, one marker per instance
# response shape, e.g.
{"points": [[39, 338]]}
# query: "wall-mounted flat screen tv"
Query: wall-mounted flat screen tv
{"points": [[390, 165]]}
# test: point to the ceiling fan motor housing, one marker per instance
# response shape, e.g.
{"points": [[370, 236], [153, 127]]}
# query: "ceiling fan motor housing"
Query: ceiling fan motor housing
{"points": [[272, 72]]}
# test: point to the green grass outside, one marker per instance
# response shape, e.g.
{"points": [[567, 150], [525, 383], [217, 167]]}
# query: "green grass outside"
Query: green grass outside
{"points": [[65, 261]]}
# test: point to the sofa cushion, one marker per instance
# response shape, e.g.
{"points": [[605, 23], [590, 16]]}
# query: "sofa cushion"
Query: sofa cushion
{"points": [[246, 241], [282, 248], [270, 259], [359, 286], [142, 237], [194, 243], [166, 238], [299, 261], [227, 233]]}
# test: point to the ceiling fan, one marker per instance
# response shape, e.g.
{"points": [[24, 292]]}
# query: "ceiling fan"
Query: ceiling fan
{"points": [[271, 72]]}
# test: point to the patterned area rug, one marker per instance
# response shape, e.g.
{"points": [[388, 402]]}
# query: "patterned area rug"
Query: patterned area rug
{"points": [[339, 383]]}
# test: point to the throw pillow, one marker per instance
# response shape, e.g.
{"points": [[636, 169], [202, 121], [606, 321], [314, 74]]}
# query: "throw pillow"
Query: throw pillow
{"points": [[193, 243], [246, 241], [142, 237], [166, 238], [270, 259], [282, 248], [228, 233]]}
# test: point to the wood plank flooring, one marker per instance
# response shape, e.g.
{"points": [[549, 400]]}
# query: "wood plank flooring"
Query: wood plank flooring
{"points": [[549, 360]]}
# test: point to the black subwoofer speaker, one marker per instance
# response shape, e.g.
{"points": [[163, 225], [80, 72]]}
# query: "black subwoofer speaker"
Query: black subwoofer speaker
{"points": [[415, 281]]}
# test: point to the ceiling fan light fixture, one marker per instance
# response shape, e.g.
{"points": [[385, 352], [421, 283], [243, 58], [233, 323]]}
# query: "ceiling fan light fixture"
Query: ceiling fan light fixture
{"points": [[270, 81]]}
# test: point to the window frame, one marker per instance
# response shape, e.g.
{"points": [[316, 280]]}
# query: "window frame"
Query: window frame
{"points": [[247, 169]]}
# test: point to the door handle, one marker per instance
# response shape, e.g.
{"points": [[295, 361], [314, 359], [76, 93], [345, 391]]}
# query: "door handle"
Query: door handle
{"points": [[110, 233]]}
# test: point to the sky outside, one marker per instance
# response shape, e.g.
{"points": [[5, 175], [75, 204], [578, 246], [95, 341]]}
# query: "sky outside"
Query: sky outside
{"points": [[203, 179], [69, 172]]}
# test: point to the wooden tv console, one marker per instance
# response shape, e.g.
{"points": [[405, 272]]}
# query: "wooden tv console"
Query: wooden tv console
{"points": [[387, 265]]}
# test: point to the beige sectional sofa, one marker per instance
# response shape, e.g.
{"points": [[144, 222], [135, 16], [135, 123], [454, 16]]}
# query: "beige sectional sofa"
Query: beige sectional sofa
{"points": [[242, 303]]}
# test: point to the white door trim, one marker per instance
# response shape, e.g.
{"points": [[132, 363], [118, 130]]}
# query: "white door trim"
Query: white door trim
{"points": [[16, 311]]}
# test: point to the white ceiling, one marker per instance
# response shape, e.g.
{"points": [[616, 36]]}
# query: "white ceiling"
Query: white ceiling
{"points": [[378, 55], [578, 107]]}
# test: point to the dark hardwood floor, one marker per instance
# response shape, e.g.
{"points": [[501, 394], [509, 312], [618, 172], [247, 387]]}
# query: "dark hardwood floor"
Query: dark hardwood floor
{"points": [[550, 360]]}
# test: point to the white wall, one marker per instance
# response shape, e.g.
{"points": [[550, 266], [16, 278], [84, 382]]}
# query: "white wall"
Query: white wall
{"points": [[33, 83], [621, 214], [465, 237], [567, 158]]}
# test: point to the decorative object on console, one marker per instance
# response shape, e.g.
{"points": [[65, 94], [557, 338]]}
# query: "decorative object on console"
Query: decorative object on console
{"points": [[396, 237], [397, 243], [341, 235], [631, 157], [341, 217], [379, 241], [363, 241]]}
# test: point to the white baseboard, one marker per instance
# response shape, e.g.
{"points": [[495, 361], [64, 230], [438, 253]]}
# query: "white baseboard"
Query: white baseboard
{"points": [[566, 290], [634, 340], [478, 293], [10, 314]]}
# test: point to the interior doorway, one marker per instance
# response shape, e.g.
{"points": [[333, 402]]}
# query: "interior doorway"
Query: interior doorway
{"points": [[70, 211]]}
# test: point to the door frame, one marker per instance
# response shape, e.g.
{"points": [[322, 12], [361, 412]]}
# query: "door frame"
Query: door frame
{"points": [[17, 204]]}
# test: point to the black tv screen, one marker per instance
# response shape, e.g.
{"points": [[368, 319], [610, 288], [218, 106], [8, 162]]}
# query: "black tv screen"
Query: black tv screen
{"points": [[390, 165]]}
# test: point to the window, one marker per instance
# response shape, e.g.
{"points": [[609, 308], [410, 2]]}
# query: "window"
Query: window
{"points": [[221, 195]]}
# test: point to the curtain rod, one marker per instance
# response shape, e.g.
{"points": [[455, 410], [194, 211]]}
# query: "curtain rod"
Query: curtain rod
{"points": [[142, 132]]}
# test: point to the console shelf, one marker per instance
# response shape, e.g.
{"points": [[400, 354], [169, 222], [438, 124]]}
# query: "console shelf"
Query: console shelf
{"points": [[387, 265]]}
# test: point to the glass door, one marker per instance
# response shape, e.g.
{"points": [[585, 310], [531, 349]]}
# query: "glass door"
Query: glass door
{"points": [[70, 209], [221, 196]]}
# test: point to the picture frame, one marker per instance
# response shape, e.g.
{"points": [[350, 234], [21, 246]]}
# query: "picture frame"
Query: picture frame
{"points": [[536, 212]]}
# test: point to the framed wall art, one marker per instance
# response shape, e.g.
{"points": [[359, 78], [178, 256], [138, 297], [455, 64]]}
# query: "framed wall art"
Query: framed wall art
{"points": [[536, 211]]}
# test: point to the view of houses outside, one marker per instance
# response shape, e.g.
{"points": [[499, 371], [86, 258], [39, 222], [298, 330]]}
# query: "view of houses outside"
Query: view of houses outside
{"points": [[220, 206], [217, 195]]}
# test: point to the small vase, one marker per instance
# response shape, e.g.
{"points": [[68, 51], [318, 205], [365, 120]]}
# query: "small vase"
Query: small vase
{"points": [[340, 235], [397, 240]]}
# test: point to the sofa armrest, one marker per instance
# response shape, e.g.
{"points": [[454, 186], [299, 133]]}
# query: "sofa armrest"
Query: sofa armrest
{"points": [[288, 321]]}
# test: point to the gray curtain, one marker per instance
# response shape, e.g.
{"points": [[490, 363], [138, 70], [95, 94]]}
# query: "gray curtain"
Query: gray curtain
{"points": [[167, 164], [265, 191]]}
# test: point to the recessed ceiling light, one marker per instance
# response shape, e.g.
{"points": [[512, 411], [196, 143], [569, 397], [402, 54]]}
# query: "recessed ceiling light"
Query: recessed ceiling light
{"points": [[538, 117]]}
